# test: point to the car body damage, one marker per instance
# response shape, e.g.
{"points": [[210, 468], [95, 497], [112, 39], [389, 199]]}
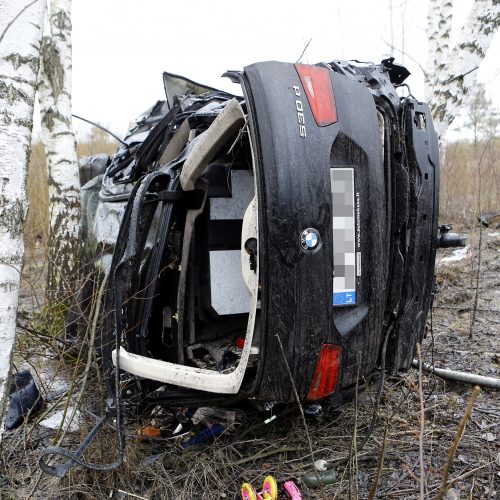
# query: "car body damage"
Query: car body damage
{"points": [[286, 234]]}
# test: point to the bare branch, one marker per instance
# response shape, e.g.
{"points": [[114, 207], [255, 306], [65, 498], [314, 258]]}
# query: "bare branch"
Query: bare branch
{"points": [[304, 51], [15, 18]]}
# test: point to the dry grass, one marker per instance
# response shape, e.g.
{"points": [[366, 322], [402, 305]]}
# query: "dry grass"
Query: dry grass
{"points": [[460, 181], [37, 221]]}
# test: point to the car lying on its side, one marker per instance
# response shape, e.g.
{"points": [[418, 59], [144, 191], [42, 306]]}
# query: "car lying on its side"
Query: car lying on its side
{"points": [[279, 241]]}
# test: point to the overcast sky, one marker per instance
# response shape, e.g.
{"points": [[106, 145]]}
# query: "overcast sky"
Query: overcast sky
{"points": [[121, 47]]}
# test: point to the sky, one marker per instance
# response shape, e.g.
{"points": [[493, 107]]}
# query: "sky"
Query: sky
{"points": [[121, 47]]}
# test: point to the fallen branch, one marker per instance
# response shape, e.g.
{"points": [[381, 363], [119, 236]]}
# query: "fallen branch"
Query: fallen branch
{"points": [[376, 480], [258, 456], [464, 377]]}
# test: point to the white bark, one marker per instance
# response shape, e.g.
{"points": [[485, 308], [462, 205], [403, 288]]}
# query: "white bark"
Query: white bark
{"points": [[451, 72], [439, 18], [60, 146], [20, 36]]}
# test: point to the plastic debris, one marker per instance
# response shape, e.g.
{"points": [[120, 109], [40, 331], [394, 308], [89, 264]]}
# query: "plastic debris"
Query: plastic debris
{"points": [[270, 419], [25, 398], [269, 490], [459, 254], [313, 411], [292, 490], [58, 420], [327, 477], [321, 465], [489, 219], [149, 431], [213, 416], [204, 436]]}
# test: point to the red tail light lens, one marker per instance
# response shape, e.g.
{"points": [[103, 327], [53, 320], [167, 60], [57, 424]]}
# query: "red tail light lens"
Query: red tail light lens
{"points": [[326, 376], [319, 91]]}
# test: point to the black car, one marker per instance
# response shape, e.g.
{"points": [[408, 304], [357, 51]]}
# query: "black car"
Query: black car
{"points": [[279, 241]]}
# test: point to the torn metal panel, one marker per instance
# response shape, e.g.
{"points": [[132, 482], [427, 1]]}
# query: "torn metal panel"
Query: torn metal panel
{"points": [[176, 85]]}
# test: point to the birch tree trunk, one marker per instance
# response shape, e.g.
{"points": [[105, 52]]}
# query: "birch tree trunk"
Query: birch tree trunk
{"points": [[452, 71], [60, 151], [20, 36]]}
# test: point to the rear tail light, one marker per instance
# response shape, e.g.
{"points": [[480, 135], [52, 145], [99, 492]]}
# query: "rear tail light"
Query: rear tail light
{"points": [[326, 376], [319, 91]]}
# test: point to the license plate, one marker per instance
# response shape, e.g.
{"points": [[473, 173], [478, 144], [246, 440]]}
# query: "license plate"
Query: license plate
{"points": [[344, 236]]}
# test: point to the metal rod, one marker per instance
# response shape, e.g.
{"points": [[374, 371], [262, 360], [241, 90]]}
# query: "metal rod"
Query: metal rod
{"points": [[102, 128]]}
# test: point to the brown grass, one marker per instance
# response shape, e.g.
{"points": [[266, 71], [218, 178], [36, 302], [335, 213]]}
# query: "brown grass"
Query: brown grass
{"points": [[460, 181], [37, 221]]}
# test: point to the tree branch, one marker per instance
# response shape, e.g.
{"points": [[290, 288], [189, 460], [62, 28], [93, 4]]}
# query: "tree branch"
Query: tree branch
{"points": [[16, 17]]}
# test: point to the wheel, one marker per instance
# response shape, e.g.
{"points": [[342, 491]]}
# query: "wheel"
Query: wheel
{"points": [[247, 492], [270, 488]]}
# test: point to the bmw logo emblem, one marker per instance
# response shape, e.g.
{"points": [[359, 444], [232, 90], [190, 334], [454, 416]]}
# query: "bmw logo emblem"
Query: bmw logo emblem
{"points": [[310, 240]]}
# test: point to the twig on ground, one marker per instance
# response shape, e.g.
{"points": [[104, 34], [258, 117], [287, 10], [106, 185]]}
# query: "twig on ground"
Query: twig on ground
{"points": [[284, 449], [422, 425], [460, 431], [353, 452], [376, 479]]}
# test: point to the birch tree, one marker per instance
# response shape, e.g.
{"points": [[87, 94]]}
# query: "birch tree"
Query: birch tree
{"points": [[60, 150], [451, 71], [20, 37]]}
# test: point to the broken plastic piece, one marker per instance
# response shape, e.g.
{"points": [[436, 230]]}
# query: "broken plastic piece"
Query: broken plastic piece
{"points": [[460, 254], [397, 73], [313, 411], [149, 431], [204, 436], [227, 123], [24, 399], [62, 419], [292, 490]]}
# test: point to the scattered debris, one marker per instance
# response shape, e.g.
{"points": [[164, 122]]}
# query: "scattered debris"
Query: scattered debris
{"points": [[213, 416], [61, 419], [149, 431], [316, 479], [458, 255], [269, 490], [321, 465], [25, 399], [292, 490], [313, 411], [490, 219], [204, 436]]}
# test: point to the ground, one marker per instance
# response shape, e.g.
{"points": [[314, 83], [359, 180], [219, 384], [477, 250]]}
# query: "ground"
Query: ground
{"points": [[160, 468]]}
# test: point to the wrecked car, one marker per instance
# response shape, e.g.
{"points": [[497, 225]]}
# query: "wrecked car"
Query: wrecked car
{"points": [[268, 246]]}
